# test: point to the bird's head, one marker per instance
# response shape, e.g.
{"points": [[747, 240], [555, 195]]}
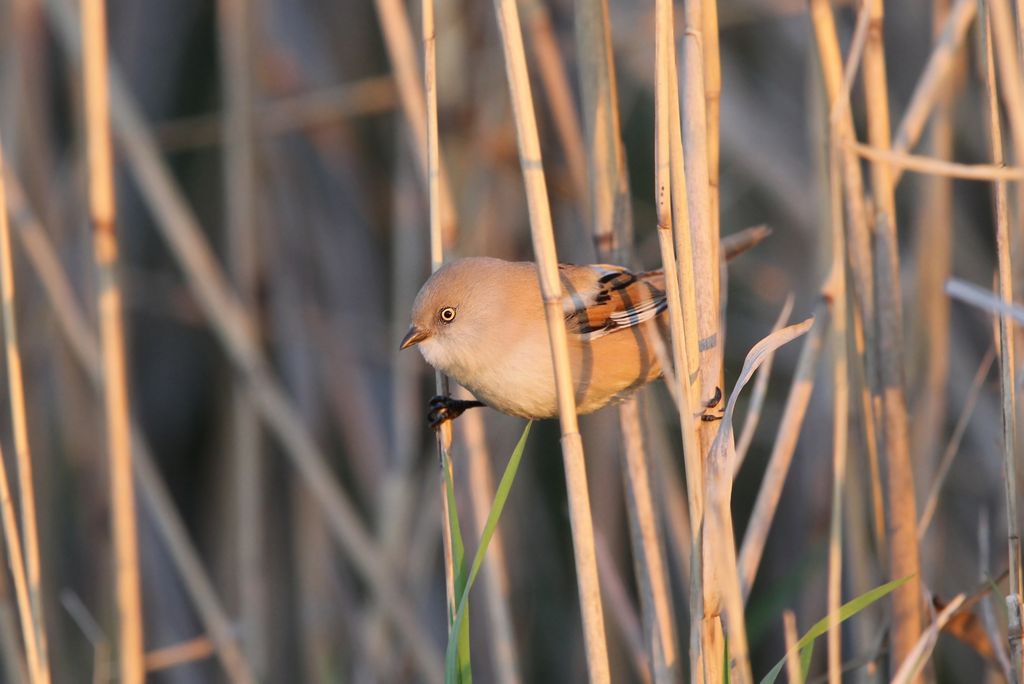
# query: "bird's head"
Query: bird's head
{"points": [[453, 311]]}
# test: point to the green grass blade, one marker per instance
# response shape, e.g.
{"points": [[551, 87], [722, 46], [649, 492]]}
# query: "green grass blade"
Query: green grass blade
{"points": [[452, 672], [846, 611], [459, 575]]}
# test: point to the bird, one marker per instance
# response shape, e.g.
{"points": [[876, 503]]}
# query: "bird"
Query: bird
{"points": [[481, 321]]}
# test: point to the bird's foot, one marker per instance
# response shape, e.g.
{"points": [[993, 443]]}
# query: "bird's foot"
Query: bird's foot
{"points": [[712, 404], [443, 409]]}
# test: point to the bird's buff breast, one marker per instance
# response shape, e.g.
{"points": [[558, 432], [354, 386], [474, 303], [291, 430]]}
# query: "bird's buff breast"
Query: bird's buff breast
{"points": [[515, 379], [519, 379]]}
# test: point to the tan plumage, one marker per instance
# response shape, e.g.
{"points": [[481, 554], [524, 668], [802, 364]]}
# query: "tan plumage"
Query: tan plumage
{"points": [[496, 342]]}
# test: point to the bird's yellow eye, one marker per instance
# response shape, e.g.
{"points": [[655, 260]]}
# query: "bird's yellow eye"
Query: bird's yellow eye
{"points": [[447, 314]]}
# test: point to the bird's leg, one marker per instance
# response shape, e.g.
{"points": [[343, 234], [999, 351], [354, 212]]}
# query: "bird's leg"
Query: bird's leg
{"points": [[709, 405], [445, 408]]}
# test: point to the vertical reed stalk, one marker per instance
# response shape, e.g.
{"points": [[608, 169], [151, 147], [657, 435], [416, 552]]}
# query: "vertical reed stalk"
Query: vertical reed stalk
{"points": [[840, 410], [712, 99], [85, 349], [706, 278], [902, 520], [934, 263], [612, 227], [226, 316], [102, 203], [858, 237], [601, 127], [1006, 353], [28, 590], [669, 188], [551, 291], [433, 175], [234, 26], [559, 92], [401, 50], [648, 552]]}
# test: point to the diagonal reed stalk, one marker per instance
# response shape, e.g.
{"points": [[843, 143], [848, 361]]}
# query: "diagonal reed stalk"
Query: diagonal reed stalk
{"points": [[19, 421], [1007, 381], [27, 590], [115, 385], [228, 321], [234, 26], [551, 291]]}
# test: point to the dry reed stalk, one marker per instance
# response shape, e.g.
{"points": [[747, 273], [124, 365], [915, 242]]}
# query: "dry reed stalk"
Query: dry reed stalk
{"points": [[310, 110], [495, 574], [602, 128], [669, 490], [27, 589], [988, 617], [234, 26], [648, 553], [683, 244], [910, 667], [838, 82], [228, 321], [933, 261], [933, 82], [622, 611], [612, 227], [721, 556], [85, 349], [792, 657], [433, 176], [397, 501], [115, 384], [937, 167], [182, 653], [712, 108], [701, 224], [670, 188], [758, 393], [836, 292], [19, 422], [558, 91], [782, 451], [953, 446], [1007, 368], [551, 291], [1011, 80], [902, 514], [398, 41]]}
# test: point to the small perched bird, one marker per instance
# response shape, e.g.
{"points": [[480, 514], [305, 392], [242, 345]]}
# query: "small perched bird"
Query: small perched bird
{"points": [[481, 321]]}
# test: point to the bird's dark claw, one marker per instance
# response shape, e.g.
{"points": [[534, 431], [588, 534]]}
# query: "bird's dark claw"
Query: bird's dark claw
{"points": [[711, 404], [443, 409]]}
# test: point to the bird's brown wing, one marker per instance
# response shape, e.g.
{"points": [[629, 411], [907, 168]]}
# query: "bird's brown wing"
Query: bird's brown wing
{"points": [[602, 299]]}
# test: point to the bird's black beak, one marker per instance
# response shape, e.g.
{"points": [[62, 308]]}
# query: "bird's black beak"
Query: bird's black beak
{"points": [[414, 336]]}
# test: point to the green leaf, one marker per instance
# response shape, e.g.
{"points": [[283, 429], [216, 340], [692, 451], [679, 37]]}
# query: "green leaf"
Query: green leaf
{"points": [[846, 611], [459, 577], [454, 671]]}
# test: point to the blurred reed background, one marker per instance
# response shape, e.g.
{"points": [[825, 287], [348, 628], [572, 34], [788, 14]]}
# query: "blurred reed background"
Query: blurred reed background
{"points": [[273, 226]]}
